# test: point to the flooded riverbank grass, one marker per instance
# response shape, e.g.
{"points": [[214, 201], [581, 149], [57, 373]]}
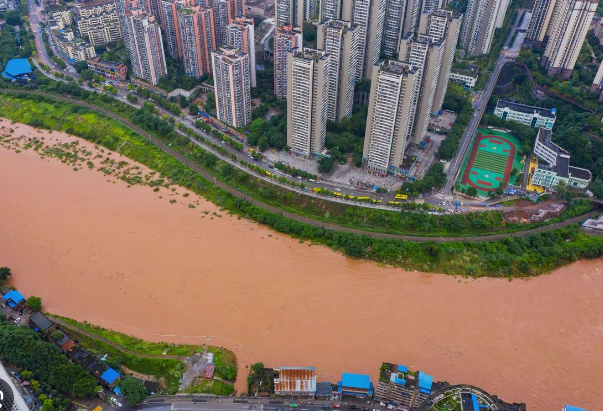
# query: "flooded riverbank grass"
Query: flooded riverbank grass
{"points": [[512, 256]]}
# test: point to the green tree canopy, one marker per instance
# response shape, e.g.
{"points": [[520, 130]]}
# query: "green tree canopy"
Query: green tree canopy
{"points": [[34, 303], [133, 390]]}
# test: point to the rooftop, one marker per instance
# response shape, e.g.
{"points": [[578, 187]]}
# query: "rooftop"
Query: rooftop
{"points": [[581, 173], [16, 67], [15, 298], [110, 376], [296, 379], [324, 388], [545, 137], [572, 408], [522, 108], [361, 381], [592, 223], [41, 321]]}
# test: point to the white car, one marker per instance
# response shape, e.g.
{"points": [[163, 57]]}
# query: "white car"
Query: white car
{"points": [[17, 320]]}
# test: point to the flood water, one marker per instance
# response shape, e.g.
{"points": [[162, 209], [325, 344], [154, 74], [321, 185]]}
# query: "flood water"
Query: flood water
{"points": [[126, 259]]}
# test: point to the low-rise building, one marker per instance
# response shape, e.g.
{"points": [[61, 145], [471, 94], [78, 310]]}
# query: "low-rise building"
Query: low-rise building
{"points": [[3, 6], [14, 299], [593, 226], [100, 28], [64, 18], [40, 323], [467, 78], [17, 70], [65, 343], [534, 117], [110, 378], [358, 385], [108, 69], [324, 390], [70, 48], [572, 408], [555, 167], [295, 382], [403, 387]]}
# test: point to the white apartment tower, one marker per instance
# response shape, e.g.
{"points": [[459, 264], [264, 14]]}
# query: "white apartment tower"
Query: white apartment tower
{"points": [[479, 25], [426, 54], [568, 27], [391, 115], [542, 13], [442, 24], [339, 39], [294, 12], [232, 86], [240, 35], [198, 40], [286, 39], [330, 9], [146, 48], [307, 100], [369, 15]]}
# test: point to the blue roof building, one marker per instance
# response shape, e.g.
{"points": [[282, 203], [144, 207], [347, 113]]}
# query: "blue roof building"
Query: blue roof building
{"points": [[355, 384], [14, 298], [16, 68], [110, 377], [403, 387], [572, 408]]}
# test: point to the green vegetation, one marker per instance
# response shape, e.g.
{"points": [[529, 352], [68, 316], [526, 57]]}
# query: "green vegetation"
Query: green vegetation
{"points": [[511, 256], [34, 303], [225, 360], [456, 100], [435, 177], [23, 348], [167, 371], [10, 47], [216, 387], [134, 390], [4, 273]]}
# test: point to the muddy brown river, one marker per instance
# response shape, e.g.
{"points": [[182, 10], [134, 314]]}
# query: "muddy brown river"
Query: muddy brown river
{"points": [[124, 258]]}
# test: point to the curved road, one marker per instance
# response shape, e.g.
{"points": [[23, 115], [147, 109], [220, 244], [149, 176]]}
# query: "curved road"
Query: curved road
{"points": [[330, 226]]}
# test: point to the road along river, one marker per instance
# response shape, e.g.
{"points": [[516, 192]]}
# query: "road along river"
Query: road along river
{"points": [[126, 258]]}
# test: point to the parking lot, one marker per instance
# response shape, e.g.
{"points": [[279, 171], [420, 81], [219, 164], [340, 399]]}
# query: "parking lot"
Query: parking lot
{"points": [[425, 156]]}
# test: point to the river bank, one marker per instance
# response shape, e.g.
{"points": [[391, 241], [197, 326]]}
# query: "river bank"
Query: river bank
{"points": [[125, 258]]}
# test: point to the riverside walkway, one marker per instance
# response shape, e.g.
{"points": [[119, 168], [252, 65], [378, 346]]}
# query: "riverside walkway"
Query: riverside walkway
{"points": [[296, 217]]}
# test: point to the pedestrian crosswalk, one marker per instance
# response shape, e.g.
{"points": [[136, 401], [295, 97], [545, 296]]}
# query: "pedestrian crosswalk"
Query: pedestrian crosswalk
{"points": [[443, 197]]}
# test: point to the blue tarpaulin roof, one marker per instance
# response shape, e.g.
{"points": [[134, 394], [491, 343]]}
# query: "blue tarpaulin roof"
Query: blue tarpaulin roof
{"points": [[425, 382], [400, 381], [15, 296], [362, 381], [16, 67], [117, 391], [110, 376], [572, 408], [402, 368]]}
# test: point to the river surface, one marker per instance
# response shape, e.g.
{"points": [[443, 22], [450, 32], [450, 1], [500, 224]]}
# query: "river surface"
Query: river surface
{"points": [[124, 258]]}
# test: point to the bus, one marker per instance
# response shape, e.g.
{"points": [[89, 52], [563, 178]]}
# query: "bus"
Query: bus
{"points": [[393, 203], [336, 194], [401, 197], [363, 198], [316, 190], [377, 201]]}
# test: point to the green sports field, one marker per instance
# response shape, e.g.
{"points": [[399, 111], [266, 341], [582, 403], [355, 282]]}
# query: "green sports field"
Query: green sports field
{"points": [[489, 161]]}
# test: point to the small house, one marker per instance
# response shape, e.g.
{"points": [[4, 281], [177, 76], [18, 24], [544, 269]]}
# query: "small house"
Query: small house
{"points": [[110, 378], [65, 343], [40, 323], [358, 385], [14, 299], [324, 391]]}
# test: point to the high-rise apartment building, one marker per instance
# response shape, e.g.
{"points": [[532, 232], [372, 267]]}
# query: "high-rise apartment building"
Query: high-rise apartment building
{"points": [[502, 11], [369, 15], [168, 11], [391, 114], [222, 17], [307, 100], [411, 16], [294, 12], [426, 53], [330, 9], [442, 24], [479, 25], [123, 8], [568, 27], [539, 23], [100, 23], [240, 35], [146, 47], [197, 38], [237, 8], [393, 26], [286, 39], [339, 39], [232, 86], [432, 5]]}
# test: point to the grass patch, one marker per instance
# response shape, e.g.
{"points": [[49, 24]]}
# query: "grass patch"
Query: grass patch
{"points": [[167, 371], [211, 387]]}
